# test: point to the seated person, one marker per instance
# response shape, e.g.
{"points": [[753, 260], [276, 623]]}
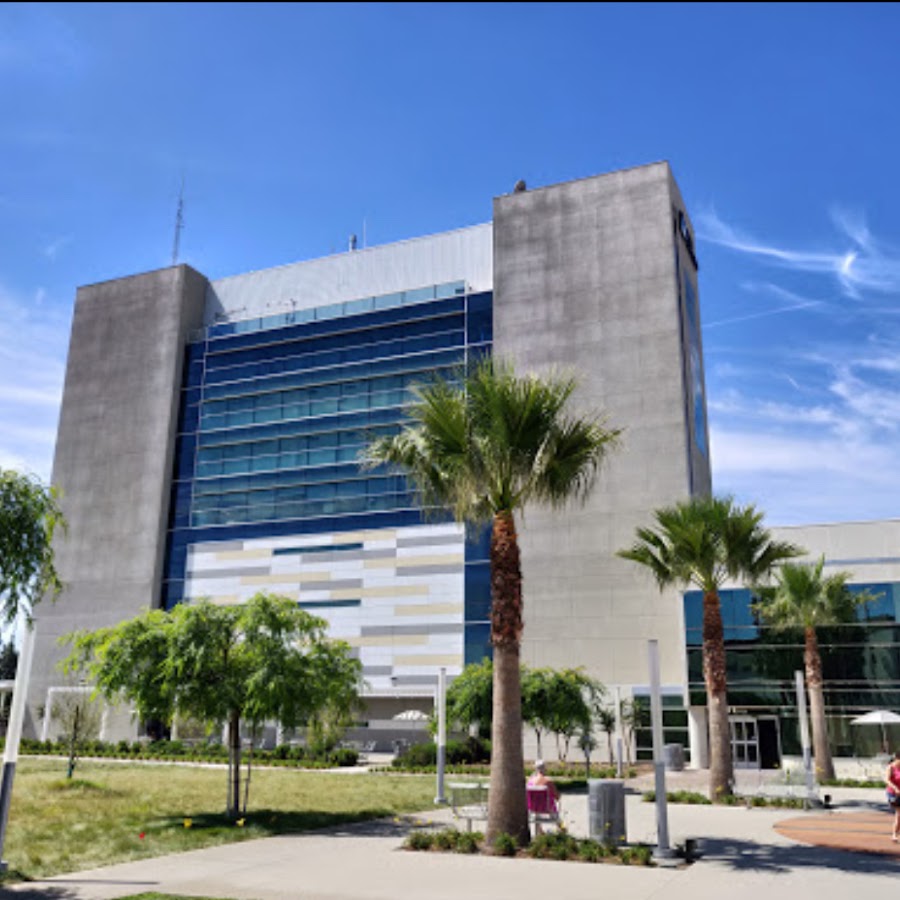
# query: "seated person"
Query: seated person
{"points": [[542, 805]]}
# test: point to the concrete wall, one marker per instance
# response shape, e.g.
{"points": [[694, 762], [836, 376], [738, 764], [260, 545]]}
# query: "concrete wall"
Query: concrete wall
{"points": [[114, 451], [584, 277]]}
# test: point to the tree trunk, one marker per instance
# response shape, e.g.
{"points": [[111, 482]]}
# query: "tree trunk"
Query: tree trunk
{"points": [[234, 763], [507, 812], [721, 771], [821, 748]]}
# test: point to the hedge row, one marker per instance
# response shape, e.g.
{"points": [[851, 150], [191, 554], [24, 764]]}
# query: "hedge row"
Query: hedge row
{"points": [[283, 755]]}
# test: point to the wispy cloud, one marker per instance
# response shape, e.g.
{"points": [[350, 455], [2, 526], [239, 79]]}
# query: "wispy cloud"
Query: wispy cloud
{"points": [[51, 250], [832, 458], [33, 340], [863, 263]]}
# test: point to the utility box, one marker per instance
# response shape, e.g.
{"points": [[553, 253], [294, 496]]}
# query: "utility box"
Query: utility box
{"points": [[606, 811]]}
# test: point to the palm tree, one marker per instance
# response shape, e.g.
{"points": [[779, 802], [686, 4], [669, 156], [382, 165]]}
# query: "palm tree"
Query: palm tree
{"points": [[485, 448], [704, 542], [802, 598]]}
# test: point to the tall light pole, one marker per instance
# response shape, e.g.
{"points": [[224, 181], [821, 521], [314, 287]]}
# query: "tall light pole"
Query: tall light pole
{"points": [[14, 733], [663, 850], [441, 702]]}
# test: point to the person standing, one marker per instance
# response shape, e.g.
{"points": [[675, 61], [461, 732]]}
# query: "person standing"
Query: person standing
{"points": [[892, 782]]}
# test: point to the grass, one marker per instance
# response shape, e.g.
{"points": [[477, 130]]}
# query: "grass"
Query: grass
{"points": [[153, 895], [115, 812]]}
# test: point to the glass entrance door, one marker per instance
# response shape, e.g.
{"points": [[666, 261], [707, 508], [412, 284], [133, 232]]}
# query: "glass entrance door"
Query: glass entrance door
{"points": [[744, 742]]}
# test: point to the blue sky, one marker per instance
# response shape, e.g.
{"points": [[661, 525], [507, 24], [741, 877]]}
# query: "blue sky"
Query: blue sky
{"points": [[293, 125]]}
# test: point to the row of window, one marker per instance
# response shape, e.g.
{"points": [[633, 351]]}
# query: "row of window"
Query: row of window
{"points": [[416, 363], [304, 409], [365, 387], [272, 511], [249, 482], [313, 425], [264, 363], [338, 311], [363, 487]]}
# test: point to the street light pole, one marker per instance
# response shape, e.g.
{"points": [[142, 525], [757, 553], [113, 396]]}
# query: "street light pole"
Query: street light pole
{"points": [[14, 733], [663, 850], [442, 733]]}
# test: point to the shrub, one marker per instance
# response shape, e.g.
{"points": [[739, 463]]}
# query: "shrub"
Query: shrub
{"points": [[446, 839], [417, 755], [557, 845], [591, 851], [419, 840], [505, 845], [639, 855], [343, 756], [692, 798], [468, 841]]}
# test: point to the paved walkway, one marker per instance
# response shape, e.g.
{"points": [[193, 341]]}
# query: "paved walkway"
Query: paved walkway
{"points": [[746, 855], [864, 832]]}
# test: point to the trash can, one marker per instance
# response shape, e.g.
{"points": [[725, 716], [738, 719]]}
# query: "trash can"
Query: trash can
{"points": [[606, 811], [673, 756]]}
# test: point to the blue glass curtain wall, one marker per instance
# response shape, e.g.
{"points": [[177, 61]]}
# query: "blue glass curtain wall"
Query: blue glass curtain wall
{"points": [[860, 664], [276, 414]]}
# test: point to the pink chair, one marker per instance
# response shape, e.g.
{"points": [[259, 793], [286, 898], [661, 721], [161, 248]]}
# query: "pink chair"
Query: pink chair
{"points": [[542, 806]]}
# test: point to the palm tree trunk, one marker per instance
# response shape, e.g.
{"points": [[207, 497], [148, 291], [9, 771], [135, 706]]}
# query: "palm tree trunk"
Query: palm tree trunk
{"points": [[821, 749], [721, 771], [507, 812]]}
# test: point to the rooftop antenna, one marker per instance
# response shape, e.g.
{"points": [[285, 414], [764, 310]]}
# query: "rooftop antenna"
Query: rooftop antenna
{"points": [[179, 224], [364, 234]]}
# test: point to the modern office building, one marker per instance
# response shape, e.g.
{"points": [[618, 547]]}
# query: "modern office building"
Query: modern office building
{"points": [[211, 431], [210, 439]]}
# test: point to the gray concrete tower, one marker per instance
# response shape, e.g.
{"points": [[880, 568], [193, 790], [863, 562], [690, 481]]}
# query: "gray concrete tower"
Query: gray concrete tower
{"points": [[114, 451], [597, 278]]}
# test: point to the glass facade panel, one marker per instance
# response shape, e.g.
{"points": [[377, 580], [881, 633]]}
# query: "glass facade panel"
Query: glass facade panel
{"points": [[860, 664], [277, 411]]}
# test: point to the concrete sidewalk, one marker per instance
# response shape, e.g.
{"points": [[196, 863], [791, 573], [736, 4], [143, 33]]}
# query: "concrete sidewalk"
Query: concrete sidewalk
{"points": [[744, 859]]}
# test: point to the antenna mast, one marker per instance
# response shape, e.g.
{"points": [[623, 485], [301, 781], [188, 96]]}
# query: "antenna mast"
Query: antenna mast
{"points": [[179, 224]]}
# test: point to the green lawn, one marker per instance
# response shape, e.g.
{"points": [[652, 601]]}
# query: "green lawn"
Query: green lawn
{"points": [[115, 812]]}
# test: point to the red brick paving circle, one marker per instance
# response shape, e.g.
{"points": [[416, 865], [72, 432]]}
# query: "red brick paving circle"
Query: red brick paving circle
{"points": [[869, 832]]}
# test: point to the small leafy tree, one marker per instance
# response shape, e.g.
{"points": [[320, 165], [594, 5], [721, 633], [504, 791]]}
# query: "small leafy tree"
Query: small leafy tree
{"points": [[266, 659], [606, 719], [470, 697], [29, 517], [537, 706], [573, 696], [78, 717]]}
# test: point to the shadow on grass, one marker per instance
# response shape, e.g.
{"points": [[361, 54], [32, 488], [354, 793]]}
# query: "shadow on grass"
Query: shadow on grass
{"points": [[272, 823], [749, 856]]}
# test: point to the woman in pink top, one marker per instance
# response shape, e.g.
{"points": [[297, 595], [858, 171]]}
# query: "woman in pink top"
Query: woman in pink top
{"points": [[892, 780]]}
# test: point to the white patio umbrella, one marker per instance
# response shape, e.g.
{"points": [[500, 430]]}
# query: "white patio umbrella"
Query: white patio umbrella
{"points": [[416, 715], [880, 717]]}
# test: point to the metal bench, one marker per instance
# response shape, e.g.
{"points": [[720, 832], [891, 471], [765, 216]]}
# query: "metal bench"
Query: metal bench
{"points": [[468, 800]]}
